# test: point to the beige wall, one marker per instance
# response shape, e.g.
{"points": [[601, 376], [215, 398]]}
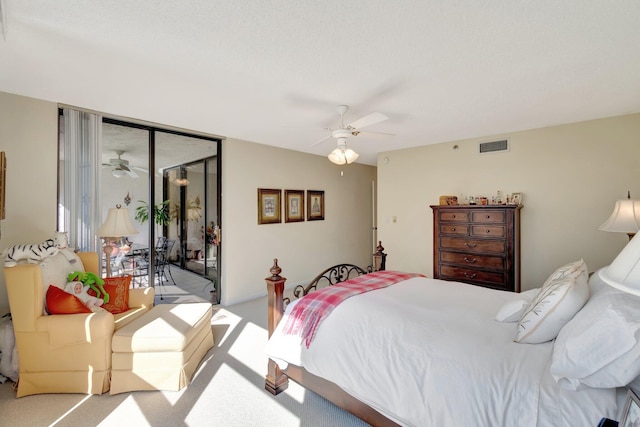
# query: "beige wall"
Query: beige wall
{"points": [[29, 138], [28, 135], [570, 175], [304, 248]]}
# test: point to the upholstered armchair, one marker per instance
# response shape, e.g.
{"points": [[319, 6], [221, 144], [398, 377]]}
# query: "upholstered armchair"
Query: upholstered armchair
{"points": [[63, 353]]}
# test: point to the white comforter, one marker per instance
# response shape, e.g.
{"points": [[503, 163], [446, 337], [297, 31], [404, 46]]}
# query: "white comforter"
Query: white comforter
{"points": [[429, 353]]}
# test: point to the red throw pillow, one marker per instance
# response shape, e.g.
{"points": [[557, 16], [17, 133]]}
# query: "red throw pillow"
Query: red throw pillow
{"points": [[118, 290], [61, 302]]}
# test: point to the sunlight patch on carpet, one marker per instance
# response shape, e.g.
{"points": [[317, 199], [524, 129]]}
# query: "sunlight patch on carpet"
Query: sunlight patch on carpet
{"points": [[227, 319], [244, 348]]}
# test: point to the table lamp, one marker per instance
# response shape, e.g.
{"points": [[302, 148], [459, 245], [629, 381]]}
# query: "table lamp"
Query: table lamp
{"points": [[116, 226], [624, 272], [625, 217]]}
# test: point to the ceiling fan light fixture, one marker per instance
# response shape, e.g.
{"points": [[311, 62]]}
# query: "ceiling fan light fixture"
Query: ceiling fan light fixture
{"points": [[351, 155], [118, 173], [342, 156], [182, 181]]}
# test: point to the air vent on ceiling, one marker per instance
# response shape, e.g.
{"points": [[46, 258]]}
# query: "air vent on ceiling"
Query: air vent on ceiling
{"points": [[493, 146]]}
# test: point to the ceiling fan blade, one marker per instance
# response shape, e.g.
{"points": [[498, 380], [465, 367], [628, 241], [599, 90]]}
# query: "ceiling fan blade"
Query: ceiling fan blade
{"points": [[368, 120], [370, 132], [143, 170], [323, 139]]}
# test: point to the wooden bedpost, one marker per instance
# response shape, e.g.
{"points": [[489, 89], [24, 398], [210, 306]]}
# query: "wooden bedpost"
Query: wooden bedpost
{"points": [[275, 381], [379, 258]]}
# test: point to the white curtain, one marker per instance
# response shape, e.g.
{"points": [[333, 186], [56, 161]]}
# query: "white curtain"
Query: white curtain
{"points": [[80, 162]]}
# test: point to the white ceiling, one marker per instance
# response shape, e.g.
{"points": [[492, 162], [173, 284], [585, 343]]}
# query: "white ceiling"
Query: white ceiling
{"points": [[170, 150], [273, 71]]}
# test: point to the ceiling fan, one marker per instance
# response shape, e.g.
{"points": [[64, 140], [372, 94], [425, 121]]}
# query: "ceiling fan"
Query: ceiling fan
{"points": [[121, 166], [343, 155]]}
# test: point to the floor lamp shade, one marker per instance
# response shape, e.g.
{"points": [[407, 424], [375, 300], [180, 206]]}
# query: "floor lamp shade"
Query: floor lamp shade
{"points": [[117, 224], [624, 271]]}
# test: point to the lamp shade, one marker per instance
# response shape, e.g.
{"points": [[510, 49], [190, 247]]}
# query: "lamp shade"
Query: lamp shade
{"points": [[624, 271], [341, 156], [117, 224], [625, 217]]}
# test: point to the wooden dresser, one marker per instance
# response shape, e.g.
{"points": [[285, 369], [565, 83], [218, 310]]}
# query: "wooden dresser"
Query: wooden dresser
{"points": [[479, 245]]}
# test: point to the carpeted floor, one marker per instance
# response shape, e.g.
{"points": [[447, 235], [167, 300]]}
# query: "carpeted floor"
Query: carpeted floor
{"points": [[227, 388]]}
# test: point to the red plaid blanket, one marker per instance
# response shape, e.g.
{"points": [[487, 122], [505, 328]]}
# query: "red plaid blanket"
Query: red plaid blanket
{"points": [[310, 311]]}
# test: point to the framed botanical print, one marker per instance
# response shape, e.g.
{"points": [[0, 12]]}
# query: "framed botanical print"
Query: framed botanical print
{"points": [[294, 205], [3, 182], [269, 206], [315, 205]]}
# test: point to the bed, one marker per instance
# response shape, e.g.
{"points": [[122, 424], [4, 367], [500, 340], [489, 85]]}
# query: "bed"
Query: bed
{"points": [[425, 352]]}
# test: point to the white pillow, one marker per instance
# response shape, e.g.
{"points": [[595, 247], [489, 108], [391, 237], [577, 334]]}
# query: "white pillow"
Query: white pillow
{"points": [[56, 268], [511, 311], [571, 270], [561, 297], [596, 283], [600, 346]]}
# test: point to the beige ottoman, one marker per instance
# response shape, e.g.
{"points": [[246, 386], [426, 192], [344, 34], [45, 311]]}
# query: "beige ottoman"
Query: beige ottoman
{"points": [[162, 348]]}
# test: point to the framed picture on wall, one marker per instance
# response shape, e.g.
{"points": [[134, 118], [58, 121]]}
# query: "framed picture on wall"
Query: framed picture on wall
{"points": [[3, 182], [269, 206], [315, 205], [294, 205]]}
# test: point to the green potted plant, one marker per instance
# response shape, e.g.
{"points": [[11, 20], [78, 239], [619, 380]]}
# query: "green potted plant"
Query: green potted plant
{"points": [[161, 214]]}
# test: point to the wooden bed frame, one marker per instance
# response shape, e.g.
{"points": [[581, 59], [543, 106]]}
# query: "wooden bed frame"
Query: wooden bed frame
{"points": [[277, 380]]}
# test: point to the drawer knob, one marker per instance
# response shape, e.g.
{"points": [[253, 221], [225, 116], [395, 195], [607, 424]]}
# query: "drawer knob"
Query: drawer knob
{"points": [[488, 216], [470, 260], [470, 245], [488, 231], [469, 276], [453, 229], [453, 216]]}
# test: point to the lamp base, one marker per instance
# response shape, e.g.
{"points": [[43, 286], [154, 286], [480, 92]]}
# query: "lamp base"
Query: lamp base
{"points": [[108, 250]]}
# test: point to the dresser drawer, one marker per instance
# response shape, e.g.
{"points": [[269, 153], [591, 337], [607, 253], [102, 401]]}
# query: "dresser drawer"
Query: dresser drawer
{"points": [[471, 245], [466, 274], [454, 216], [473, 260], [496, 231], [479, 245], [455, 229], [488, 216]]}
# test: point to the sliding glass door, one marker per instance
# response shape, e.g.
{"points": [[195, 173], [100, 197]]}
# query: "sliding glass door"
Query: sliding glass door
{"points": [[167, 179], [192, 191]]}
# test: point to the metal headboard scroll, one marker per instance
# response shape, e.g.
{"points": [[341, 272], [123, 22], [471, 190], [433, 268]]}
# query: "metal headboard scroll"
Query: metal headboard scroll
{"points": [[329, 277], [340, 273]]}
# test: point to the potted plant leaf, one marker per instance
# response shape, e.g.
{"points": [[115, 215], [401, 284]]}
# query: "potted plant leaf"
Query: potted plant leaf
{"points": [[161, 214]]}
